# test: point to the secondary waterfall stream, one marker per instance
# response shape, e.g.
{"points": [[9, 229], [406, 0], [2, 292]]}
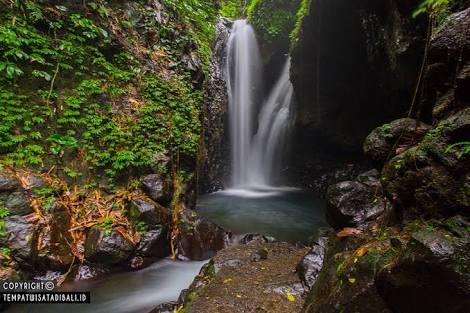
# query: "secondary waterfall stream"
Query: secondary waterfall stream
{"points": [[257, 134]]}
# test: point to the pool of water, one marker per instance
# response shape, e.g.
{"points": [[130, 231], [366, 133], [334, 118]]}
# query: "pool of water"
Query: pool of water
{"points": [[130, 292], [287, 214]]}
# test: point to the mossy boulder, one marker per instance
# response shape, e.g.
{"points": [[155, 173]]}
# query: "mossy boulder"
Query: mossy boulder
{"points": [[107, 247], [422, 267], [432, 178], [385, 141]]}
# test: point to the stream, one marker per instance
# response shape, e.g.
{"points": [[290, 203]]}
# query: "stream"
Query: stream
{"points": [[129, 292]]}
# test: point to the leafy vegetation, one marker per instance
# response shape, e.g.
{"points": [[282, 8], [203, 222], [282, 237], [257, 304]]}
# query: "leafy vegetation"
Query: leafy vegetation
{"points": [[4, 212], [76, 92], [303, 11], [273, 19], [233, 8], [436, 7], [460, 149]]}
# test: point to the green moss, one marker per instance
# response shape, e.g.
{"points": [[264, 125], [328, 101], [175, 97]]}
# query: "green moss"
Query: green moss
{"points": [[78, 95], [233, 9], [273, 19], [304, 10]]}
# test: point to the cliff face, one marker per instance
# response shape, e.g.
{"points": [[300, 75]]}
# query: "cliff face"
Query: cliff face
{"points": [[354, 66], [214, 153]]}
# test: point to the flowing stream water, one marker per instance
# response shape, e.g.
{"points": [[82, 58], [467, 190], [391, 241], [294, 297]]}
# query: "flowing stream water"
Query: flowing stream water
{"points": [[130, 292]]}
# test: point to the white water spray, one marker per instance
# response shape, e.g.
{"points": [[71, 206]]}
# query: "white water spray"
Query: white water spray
{"points": [[257, 142]]}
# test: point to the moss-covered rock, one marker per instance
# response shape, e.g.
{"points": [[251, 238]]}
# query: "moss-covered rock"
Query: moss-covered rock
{"points": [[419, 268], [432, 178]]}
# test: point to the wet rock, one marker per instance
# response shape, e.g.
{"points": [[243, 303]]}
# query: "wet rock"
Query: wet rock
{"points": [[213, 156], [385, 141], [199, 239], [311, 264], [9, 182], [446, 78], [433, 274], [148, 212], [157, 188], [169, 307], [85, 272], [136, 263], [20, 238], [107, 247], [18, 203], [53, 241], [431, 178], [154, 243], [35, 182], [352, 203]]}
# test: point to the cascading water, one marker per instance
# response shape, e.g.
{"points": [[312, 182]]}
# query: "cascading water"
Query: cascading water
{"points": [[255, 203], [256, 151], [243, 77]]}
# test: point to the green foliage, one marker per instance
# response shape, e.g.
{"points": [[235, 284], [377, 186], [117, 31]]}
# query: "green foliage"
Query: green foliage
{"points": [[304, 10], [106, 225], [67, 96], [233, 8], [200, 17], [436, 7], [273, 19], [4, 212], [460, 149]]}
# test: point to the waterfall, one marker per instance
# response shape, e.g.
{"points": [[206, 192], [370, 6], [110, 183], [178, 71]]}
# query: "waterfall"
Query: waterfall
{"points": [[258, 134]]}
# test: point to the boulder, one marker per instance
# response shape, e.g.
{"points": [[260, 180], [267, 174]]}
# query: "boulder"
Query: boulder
{"points": [[445, 88], [199, 238], [107, 247], [311, 264], [353, 203], [431, 178], [157, 188], [20, 238], [9, 183], [385, 141], [88, 271], [154, 243], [148, 212], [433, 273], [18, 203]]}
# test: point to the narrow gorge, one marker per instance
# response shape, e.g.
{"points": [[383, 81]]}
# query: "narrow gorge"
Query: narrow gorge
{"points": [[225, 156]]}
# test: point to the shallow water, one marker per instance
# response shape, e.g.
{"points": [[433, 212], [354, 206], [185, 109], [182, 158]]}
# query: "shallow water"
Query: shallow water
{"points": [[286, 214], [130, 292]]}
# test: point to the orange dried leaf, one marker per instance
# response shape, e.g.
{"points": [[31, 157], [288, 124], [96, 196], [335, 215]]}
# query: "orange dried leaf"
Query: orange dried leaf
{"points": [[348, 231]]}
